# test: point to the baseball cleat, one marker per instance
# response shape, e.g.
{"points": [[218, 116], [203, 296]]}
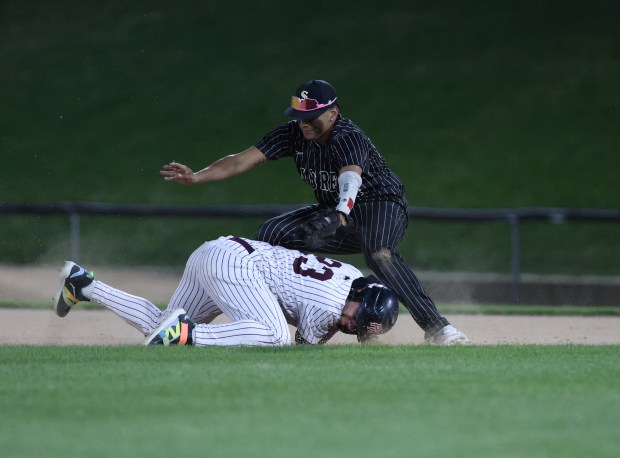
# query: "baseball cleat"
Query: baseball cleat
{"points": [[72, 280], [175, 330], [448, 335]]}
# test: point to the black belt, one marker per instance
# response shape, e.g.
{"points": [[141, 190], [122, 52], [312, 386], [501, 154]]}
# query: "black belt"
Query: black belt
{"points": [[243, 243]]}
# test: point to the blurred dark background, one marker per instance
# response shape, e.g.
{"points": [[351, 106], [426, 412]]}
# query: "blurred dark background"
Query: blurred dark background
{"points": [[479, 104]]}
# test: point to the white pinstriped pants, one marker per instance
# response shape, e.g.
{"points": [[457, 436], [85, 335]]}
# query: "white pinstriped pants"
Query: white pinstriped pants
{"points": [[221, 276]]}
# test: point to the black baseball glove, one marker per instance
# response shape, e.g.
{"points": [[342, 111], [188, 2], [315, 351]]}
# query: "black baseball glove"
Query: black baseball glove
{"points": [[318, 231], [299, 340]]}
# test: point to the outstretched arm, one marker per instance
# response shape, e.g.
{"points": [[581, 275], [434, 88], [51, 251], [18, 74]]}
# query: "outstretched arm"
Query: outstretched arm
{"points": [[221, 169]]}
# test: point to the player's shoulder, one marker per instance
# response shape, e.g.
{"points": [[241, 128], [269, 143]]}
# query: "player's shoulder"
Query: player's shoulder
{"points": [[345, 129], [288, 128], [345, 126], [290, 125]]}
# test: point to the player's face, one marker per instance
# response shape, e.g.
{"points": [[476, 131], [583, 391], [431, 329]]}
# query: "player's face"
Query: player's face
{"points": [[318, 128], [347, 316]]}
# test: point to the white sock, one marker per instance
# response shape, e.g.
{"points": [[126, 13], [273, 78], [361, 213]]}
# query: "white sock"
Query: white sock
{"points": [[87, 291]]}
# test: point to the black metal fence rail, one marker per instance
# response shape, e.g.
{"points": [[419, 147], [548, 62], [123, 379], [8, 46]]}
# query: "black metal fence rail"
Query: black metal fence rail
{"points": [[513, 216]]}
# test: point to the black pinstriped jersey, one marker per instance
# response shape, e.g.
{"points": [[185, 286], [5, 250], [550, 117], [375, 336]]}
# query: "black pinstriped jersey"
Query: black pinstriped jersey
{"points": [[318, 165]]}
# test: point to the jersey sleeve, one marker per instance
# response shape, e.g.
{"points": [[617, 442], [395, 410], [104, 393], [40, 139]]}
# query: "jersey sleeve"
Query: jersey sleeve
{"points": [[311, 290], [324, 298], [277, 143], [352, 148], [316, 324]]}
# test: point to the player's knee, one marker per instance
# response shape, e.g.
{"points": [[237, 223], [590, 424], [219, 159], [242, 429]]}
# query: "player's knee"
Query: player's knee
{"points": [[381, 260], [264, 233], [382, 256], [269, 232], [282, 336]]}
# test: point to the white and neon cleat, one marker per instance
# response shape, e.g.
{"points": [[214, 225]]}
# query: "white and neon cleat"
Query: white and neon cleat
{"points": [[73, 279], [176, 329]]}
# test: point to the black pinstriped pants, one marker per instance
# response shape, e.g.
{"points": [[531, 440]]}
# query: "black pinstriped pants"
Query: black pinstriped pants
{"points": [[379, 228]]}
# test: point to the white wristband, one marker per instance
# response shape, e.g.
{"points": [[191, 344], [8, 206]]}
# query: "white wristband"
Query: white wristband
{"points": [[349, 183]]}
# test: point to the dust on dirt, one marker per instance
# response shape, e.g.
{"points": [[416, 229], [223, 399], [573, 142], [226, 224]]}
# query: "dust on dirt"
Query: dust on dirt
{"points": [[102, 327]]}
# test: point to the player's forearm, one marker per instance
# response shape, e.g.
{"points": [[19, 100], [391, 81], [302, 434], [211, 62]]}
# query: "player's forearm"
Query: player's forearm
{"points": [[220, 170], [231, 165], [349, 182]]}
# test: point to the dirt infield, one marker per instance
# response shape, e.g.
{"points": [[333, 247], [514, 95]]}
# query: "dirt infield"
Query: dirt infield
{"points": [[101, 327]]}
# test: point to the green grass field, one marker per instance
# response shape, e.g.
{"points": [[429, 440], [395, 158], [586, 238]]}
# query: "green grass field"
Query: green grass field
{"points": [[346, 401]]}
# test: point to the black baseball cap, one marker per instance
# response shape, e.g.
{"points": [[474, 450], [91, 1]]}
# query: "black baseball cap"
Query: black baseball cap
{"points": [[312, 99]]}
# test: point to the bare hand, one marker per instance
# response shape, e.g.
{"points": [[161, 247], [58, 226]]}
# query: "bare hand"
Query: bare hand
{"points": [[178, 173]]}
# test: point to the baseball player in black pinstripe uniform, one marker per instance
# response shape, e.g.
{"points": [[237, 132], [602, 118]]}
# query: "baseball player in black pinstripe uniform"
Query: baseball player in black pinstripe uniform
{"points": [[361, 204], [259, 287]]}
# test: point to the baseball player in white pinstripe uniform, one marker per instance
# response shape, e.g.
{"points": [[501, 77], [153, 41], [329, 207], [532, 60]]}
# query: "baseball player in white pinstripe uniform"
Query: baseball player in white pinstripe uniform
{"points": [[259, 287], [361, 203]]}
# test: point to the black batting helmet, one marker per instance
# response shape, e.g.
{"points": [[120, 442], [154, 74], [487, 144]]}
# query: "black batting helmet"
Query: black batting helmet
{"points": [[378, 310]]}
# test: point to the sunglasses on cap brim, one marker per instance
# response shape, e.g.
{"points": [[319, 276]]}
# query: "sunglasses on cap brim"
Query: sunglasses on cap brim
{"points": [[309, 104]]}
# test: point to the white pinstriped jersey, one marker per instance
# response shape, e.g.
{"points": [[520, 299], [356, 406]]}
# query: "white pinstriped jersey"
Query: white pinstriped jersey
{"points": [[311, 290], [259, 287]]}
